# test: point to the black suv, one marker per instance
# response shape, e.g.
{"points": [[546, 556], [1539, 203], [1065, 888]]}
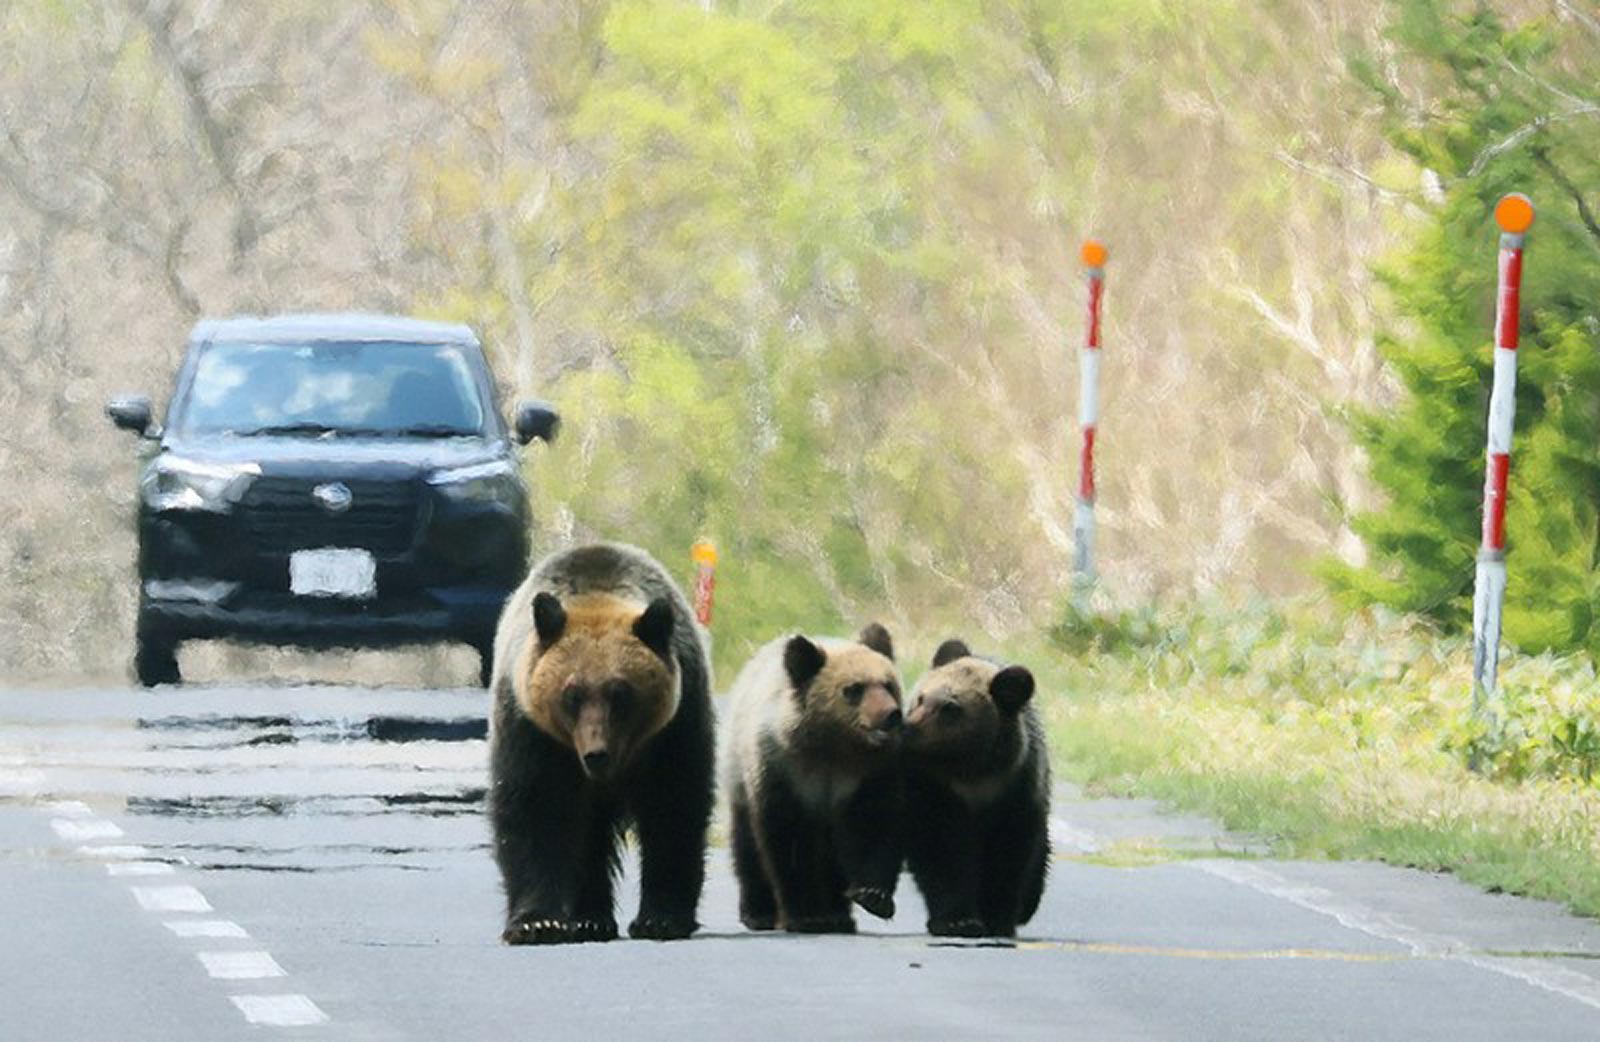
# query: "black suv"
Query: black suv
{"points": [[328, 480]]}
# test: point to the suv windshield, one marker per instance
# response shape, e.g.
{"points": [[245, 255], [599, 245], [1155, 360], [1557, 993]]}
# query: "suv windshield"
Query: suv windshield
{"points": [[374, 389]]}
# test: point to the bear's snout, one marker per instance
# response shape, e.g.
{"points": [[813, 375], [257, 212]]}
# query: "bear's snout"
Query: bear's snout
{"points": [[880, 713]]}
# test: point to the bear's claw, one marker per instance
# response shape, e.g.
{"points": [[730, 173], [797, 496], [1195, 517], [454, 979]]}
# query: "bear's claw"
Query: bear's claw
{"points": [[537, 931], [821, 924], [662, 927], [558, 931], [875, 900], [964, 927]]}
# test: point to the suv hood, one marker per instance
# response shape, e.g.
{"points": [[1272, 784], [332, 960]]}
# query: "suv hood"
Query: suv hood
{"points": [[394, 457]]}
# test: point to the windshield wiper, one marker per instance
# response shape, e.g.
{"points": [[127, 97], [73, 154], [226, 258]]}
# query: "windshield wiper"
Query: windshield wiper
{"points": [[432, 430], [309, 427], [315, 429]]}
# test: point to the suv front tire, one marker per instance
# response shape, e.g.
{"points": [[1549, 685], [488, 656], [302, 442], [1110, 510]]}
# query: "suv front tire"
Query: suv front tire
{"points": [[155, 654]]}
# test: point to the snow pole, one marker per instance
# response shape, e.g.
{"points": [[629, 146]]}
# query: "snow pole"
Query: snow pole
{"points": [[1093, 255], [704, 554], [1514, 214]]}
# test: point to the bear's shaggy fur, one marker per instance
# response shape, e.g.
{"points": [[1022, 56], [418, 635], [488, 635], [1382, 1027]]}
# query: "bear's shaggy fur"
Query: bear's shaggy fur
{"points": [[813, 784], [977, 795], [600, 718]]}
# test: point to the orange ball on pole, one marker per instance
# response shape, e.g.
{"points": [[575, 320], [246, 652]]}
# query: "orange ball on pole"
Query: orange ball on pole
{"points": [[1514, 213]]}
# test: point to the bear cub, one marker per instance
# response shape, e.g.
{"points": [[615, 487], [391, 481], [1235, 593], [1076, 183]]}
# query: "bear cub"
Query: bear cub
{"points": [[977, 795], [600, 718], [813, 782]]}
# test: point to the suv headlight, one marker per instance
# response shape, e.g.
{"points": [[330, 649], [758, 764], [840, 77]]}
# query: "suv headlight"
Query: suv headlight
{"points": [[173, 483], [494, 482]]}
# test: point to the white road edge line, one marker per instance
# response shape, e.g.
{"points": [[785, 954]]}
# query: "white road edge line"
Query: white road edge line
{"points": [[284, 1011], [170, 899], [1353, 915], [240, 965], [1071, 839], [205, 928]]}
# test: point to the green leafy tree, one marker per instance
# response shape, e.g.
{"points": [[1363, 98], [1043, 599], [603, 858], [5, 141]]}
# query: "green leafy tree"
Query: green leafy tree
{"points": [[1496, 106]]}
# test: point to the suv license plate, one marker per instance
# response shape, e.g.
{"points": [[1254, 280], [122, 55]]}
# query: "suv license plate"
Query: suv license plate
{"points": [[333, 573]]}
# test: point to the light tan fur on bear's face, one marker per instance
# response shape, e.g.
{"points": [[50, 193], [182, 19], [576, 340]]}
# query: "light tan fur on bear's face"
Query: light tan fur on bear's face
{"points": [[852, 697], [952, 712], [598, 688]]}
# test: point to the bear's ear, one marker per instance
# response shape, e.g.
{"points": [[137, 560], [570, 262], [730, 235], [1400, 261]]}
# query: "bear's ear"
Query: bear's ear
{"points": [[802, 660], [949, 651], [1011, 688], [876, 637], [549, 618], [654, 627]]}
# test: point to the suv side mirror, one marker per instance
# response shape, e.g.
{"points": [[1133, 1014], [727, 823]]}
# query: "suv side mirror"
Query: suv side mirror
{"points": [[131, 412], [535, 419]]}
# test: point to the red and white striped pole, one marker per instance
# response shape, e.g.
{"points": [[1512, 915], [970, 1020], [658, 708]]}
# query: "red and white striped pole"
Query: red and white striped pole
{"points": [[704, 555], [1514, 214], [1083, 527]]}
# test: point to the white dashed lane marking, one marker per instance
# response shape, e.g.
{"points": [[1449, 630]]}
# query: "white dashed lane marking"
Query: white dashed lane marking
{"points": [[284, 1011], [21, 783], [138, 868], [240, 965], [83, 831], [75, 821], [170, 899], [111, 851], [205, 928]]}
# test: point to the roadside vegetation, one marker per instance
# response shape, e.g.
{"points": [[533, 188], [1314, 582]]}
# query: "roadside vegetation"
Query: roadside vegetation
{"points": [[1338, 736], [800, 277]]}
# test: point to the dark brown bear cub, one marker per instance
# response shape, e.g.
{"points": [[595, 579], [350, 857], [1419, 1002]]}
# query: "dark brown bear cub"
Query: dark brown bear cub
{"points": [[601, 717], [813, 783], [977, 795]]}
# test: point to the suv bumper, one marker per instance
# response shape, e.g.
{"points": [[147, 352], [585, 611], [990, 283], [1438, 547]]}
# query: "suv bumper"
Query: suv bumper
{"points": [[465, 613]]}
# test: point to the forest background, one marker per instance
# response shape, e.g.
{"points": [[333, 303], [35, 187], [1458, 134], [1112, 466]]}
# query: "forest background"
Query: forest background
{"points": [[802, 278]]}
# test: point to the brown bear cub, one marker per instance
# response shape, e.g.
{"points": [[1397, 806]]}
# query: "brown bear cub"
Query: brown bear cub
{"points": [[813, 782], [977, 795], [601, 717]]}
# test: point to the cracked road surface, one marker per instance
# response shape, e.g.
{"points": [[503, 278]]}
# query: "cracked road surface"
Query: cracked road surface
{"points": [[220, 863]]}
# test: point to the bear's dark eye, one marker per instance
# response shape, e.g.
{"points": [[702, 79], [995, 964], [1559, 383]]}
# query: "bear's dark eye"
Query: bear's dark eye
{"points": [[571, 699], [620, 694], [853, 694], [950, 711]]}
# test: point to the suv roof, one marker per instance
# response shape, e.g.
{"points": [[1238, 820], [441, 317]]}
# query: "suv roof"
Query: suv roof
{"points": [[345, 327]]}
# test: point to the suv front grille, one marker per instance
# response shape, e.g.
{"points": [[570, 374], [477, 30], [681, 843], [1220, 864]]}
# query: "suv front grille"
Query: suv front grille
{"points": [[281, 516]]}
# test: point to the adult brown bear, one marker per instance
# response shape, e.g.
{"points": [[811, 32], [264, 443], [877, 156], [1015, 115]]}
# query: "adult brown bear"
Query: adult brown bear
{"points": [[601, 718]]}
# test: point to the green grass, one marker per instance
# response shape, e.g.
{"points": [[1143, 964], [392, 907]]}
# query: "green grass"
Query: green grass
{"points": [[1335, 737]]}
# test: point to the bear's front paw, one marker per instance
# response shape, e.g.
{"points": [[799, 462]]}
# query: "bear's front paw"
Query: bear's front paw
{"points": [[662, 927], [760, 921], [876, 900], [967, 926], [821, 924], [532, 930], [593, 929]]}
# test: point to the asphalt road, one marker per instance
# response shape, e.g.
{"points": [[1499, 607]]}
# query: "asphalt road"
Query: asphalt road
{"points": [[257, 863]]}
